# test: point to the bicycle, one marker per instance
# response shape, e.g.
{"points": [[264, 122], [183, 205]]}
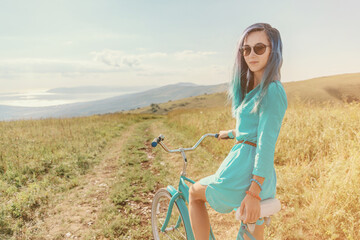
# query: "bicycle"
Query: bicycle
{"points": [[174, 223]]}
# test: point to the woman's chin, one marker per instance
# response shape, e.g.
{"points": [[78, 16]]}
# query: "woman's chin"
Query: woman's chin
{"points": [[254, 69]]}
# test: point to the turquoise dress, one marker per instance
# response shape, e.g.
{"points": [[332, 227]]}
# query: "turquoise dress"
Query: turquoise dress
{"points": [[226, 188]]}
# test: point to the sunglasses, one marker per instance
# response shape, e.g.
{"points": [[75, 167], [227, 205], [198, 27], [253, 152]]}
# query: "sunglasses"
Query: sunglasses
{"points": [[259, 49]]}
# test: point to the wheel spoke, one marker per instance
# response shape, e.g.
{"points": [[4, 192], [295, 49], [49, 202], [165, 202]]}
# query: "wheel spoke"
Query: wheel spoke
{"points": [[167, 236], [174, 230], [181, 233]]}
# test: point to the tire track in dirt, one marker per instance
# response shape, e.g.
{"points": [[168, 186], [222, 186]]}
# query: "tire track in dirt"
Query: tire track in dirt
{"points": [[72, 215]]}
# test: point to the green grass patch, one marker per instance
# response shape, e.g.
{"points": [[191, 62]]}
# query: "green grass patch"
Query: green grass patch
{"points": [[127, 216], [39, 158]]}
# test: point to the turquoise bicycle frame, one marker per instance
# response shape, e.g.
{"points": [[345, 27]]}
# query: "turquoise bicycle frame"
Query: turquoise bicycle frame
{"points": [[181, 197]]}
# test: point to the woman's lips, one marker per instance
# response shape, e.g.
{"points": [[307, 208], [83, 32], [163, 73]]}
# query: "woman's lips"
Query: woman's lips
{"points": [[253, 62]]}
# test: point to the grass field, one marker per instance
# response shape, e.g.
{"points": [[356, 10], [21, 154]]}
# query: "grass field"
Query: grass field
{"points": [[317, 162], [42, 158], [50, 169]]}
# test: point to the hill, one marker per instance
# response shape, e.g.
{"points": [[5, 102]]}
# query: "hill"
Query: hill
{"points": [[335, 89], [110, 105]]}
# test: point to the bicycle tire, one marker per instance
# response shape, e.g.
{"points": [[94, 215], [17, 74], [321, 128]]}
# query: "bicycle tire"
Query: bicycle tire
{"points": [[159, 210]]}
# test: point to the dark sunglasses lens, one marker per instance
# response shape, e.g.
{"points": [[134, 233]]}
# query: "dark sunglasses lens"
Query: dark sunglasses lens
{"points": [[245, 50], [259, 48]]}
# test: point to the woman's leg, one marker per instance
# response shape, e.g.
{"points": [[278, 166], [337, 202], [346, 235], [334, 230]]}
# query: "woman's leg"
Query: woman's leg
{"points": [[258, 233], [199, 217]]}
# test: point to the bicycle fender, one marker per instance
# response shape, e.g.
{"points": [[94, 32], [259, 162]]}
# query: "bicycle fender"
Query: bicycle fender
{"points": [[183, 209]]}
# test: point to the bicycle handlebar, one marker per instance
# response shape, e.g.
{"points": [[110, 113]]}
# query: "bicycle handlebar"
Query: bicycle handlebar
{"points": [[160, 139], [157, 140]]}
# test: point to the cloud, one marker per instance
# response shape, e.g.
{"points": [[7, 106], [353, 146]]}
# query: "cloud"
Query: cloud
{"points": [[158, 72], [121, 60], [40, 65], [219, 69], [140, 62], [189, 54], [106, 61]]}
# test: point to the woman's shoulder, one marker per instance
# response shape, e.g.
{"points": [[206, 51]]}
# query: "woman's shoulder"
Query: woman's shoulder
{"points": [[276, 86], [276, 92]]}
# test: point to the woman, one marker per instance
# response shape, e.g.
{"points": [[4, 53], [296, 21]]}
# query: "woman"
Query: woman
{"points": [[259, 102]]}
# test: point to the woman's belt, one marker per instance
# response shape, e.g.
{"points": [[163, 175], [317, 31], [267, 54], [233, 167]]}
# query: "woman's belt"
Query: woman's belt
{"points": [[247, 142]]}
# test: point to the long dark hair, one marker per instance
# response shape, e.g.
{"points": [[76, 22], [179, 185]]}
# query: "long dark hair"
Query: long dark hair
{"points": [[243, 79]]}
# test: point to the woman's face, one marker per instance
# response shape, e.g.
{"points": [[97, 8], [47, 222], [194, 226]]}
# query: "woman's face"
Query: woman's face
{"points": [[257, 63]]}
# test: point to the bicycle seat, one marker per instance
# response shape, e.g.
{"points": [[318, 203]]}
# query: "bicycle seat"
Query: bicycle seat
{"points": [[268, 208]]}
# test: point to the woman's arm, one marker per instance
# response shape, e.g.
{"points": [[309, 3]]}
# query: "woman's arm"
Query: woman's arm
{"points": [[250, 203], [271, 114], [254, 187]]}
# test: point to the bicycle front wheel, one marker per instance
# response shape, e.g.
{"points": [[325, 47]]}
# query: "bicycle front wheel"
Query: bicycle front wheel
{"points": [[175, 229]]}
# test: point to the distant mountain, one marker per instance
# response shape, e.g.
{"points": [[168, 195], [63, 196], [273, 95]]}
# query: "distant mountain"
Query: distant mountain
{"points": [[335, 89], [185, 84], [97, 89], [113, 104]]}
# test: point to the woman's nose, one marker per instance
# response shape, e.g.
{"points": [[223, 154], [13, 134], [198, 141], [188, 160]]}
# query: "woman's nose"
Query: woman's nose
{"points": [[252, 53]]}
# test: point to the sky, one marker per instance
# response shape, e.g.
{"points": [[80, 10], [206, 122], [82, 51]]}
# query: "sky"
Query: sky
{"points": [[149, 43]]}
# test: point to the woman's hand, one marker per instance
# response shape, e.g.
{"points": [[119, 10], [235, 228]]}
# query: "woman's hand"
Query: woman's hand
{"points": [[223, 135], [251, 206]]}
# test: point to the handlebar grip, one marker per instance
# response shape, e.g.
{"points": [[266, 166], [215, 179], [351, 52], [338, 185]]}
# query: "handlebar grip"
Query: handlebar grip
{"points": [[216, 135], [155, 142]]}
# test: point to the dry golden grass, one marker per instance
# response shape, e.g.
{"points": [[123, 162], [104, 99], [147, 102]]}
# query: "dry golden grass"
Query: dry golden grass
{"points": [[317, 161], [335, 88]]}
